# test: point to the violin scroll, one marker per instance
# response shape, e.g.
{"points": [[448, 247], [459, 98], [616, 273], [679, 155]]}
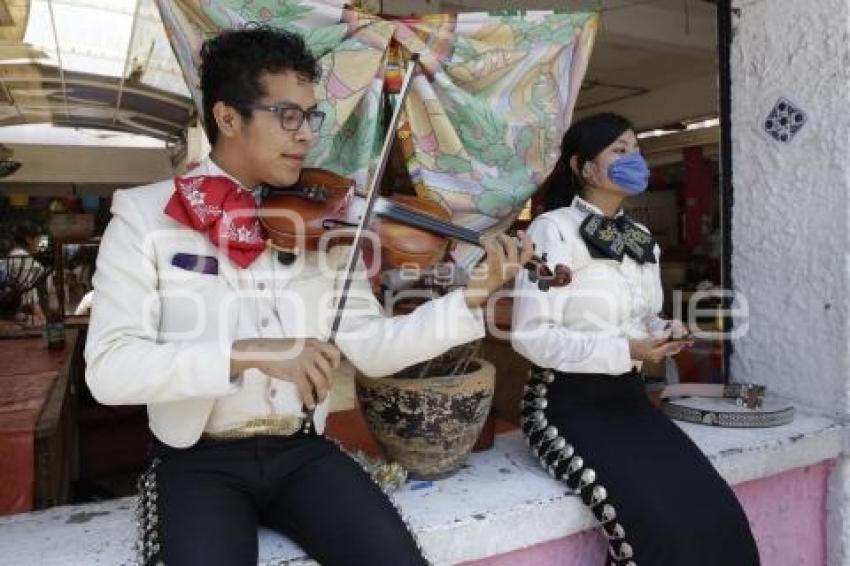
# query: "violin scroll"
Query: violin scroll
{"points": [[539, 272]]}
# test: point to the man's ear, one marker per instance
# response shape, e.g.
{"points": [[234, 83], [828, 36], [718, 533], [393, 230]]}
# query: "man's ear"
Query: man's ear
{"points": [[228, 119]]}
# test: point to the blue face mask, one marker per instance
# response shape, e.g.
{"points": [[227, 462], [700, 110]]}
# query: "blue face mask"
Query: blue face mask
{"points": [[630, 173]]}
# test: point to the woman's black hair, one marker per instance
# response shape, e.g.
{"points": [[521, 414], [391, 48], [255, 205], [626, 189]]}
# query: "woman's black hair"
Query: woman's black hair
{"points": [[584, 139], [24, 231], [233, 62]]}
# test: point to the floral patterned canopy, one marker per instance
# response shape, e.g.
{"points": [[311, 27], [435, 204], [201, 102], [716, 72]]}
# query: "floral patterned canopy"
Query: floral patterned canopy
{"points": [[487, 107]]}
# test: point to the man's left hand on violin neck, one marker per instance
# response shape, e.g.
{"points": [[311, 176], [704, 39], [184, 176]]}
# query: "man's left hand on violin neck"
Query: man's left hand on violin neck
{"points": [[503, 260]]}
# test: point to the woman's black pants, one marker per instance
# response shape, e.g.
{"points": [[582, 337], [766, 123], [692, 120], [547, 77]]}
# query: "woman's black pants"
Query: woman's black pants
{"points": [[656, 495]]}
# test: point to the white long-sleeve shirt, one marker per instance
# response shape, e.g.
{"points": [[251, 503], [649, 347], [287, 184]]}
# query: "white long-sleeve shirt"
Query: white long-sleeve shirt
{"points": [[161, 335], [585, 326]]}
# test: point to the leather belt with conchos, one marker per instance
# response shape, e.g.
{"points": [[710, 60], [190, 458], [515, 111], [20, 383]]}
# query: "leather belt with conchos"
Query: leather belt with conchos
{"points": [[740, 405]]}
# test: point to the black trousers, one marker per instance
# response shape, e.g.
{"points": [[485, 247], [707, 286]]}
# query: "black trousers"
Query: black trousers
{"points": [[202, 505], [658, 498]]}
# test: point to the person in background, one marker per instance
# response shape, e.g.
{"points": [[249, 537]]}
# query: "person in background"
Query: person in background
{"points": [[585, 411], [10, 301], [25, 270]]}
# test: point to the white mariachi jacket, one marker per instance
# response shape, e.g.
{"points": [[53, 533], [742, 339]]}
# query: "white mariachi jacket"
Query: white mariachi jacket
{"points": [[584, 327], [161, 334]]}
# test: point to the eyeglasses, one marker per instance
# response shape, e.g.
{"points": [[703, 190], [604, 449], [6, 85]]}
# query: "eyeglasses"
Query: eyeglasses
{"points": [[291, 117]]}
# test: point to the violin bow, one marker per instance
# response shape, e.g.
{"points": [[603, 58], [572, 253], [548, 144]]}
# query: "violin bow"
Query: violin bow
{"points": [[370, 198]]}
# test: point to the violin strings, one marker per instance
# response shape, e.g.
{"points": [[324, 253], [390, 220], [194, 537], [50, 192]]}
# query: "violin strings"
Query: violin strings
{"points": [[428, 222]]}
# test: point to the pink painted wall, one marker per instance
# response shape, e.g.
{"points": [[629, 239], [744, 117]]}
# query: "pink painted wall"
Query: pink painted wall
{"points": [[787, 513]]}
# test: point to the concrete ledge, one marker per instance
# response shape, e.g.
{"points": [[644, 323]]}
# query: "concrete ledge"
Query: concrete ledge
{"points": [[500, 502]]}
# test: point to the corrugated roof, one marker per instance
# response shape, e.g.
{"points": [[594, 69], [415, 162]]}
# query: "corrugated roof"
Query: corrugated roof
{"points": [[91, 63]]}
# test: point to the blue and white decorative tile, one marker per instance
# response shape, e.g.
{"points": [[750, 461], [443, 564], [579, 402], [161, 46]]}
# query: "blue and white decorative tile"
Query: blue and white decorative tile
{"points": [[784, 120]]}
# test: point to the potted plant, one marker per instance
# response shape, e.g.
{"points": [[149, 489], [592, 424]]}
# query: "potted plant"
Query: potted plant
{"points": [[429, 416]]}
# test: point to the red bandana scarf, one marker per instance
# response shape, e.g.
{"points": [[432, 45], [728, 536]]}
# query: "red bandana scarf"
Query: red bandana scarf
{"points": [[227, 212]]}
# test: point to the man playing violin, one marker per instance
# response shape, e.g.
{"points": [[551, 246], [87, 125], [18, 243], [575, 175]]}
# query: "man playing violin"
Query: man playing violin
{"points": [[195, 317]]}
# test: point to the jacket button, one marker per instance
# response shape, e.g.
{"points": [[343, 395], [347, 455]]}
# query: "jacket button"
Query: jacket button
{"points": [[261, 286], [264, 322], [272, 392]]}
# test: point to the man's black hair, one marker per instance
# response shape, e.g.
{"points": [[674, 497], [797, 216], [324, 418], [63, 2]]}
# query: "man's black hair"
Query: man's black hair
{"points": [[233, 62]]}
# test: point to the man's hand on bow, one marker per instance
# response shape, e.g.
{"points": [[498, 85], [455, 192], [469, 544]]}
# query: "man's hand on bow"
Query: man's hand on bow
{"points": [[306, 362]]}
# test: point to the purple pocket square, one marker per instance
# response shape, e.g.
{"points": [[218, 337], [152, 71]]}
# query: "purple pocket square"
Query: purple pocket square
{"points": [[206, 264]]}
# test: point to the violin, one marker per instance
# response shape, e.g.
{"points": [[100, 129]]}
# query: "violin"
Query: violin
{"points": [[410, 229], [413, 231]]}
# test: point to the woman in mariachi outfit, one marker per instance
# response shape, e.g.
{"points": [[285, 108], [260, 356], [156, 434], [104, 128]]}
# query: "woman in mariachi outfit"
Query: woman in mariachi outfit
{"points": [[585, 413]]}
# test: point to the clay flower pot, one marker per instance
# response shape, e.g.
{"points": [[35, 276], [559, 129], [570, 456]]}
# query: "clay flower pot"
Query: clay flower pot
{"points": [[428, 425]]}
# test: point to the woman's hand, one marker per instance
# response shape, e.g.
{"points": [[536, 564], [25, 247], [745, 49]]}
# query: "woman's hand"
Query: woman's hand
{"points": [[677, 330], [667, 330], [655, 350]]}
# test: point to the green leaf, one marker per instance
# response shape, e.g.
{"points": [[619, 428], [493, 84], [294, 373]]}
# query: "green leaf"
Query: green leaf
{"points": [[453, 164], [495, 203], [497, 153], [323, 40], [464, 50]]}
